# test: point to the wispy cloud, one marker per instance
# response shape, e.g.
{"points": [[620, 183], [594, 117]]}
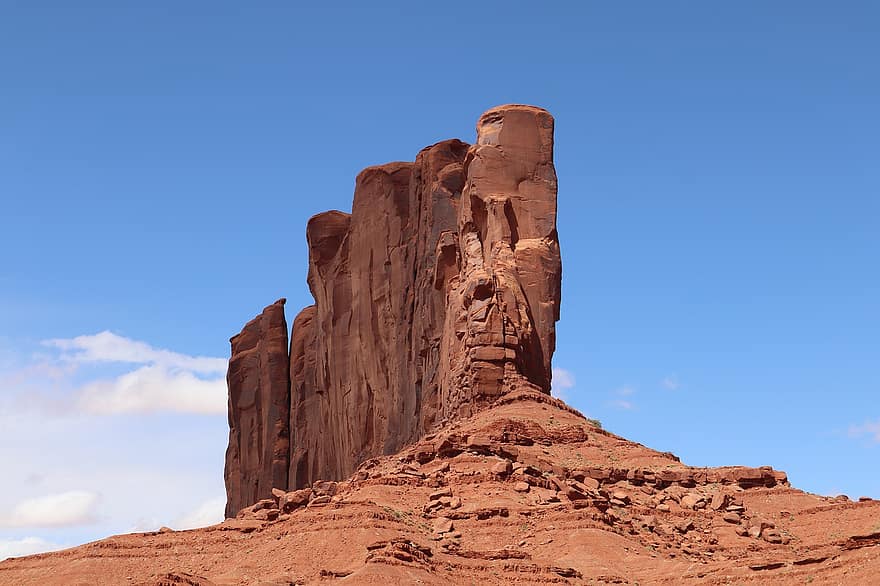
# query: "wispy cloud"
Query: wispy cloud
{"points": [[108, 472], [76, 507], [208, 513], [10, 548], [623, 400], [153, 389], [670, 383], [144, 524], [563, 380], [870, 429], [109, 347], [155, 379]]}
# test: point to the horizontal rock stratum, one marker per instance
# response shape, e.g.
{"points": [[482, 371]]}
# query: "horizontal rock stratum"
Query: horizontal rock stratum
{"points": [[436, 295]]}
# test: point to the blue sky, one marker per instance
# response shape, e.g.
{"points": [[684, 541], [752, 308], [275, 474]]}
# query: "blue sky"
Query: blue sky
{"points": [[719, 215]]}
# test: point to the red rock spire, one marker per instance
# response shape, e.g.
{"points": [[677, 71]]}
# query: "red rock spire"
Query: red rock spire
{"points": [[436, 295]]}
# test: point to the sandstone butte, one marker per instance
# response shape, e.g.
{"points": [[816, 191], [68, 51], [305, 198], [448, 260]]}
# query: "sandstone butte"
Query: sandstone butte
{"points": [[406, 433], [437, 295]]}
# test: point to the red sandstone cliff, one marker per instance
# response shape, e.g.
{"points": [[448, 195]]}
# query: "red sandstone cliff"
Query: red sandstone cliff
{"points": [[257, 457], [436, 295]]}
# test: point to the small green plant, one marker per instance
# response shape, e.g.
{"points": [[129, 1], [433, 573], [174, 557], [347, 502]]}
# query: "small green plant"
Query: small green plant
{"points": [[399, 515], [595, 423]]}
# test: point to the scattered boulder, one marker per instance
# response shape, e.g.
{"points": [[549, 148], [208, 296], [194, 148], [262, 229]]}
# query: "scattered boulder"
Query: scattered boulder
{"points": [[502, 468], [619, 498], [265, 515], [719, 501], [692, 501], [263, 504], [684, 525], [443, 525], [591, 484], [324, 487], [437, 494], [772, 535], [295, 499], [732, 517]]}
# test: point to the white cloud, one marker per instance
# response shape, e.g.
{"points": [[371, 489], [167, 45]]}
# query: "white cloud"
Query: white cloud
{"points": [[670, 382], [58, 434], [109, 347], [145, 524], [10, 548], [622, 402], [76, 507], [870, 428], [152, 389], [563, 380], [72, 377], [208, 513]]}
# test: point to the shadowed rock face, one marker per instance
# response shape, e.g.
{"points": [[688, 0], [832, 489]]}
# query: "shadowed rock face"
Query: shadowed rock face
{"points": [[435, 296], [258, 455]]}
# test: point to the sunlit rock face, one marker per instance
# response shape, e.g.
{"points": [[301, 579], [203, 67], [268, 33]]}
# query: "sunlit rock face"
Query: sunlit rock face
{"points": [[438, 294]]}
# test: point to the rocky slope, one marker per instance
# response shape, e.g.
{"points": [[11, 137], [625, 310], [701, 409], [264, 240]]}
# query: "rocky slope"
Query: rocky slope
{"points": [[438, 293], [527, 492]]}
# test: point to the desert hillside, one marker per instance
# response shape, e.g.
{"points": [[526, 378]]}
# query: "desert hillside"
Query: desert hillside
{"points": [[526, 492]]}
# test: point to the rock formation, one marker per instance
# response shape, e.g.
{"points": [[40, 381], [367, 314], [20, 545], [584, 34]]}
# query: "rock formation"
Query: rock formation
{"points": [[257, 457], [437, 294], [435, 298]]}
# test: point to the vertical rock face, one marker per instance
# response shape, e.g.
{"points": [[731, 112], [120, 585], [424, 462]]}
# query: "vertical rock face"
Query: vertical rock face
{"points": [[258, 456], [435, 296], [503, 306]]}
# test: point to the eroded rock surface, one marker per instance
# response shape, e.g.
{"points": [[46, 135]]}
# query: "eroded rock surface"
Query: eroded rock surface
{"points": [[258, 455], [438, 294]]}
